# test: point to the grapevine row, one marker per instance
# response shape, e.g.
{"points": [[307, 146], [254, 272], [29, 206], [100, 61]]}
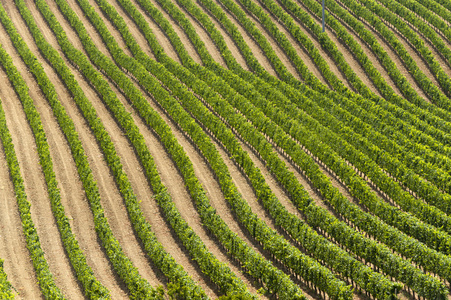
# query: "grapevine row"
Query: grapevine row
{"points": [[5, 285], [239, 101], [122, 265], [43, 274], [367, 104], [174, 273], [182, 169], [221, 171], [294, 226], [425, 189], [369, 11], [92, 287], [426, 210]]}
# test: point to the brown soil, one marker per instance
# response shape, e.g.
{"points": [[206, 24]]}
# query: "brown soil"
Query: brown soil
{"points": [[12, 245], [35, 186], [180, 32], [445, 65], [229, 41], [376, 63], [134, 30], [72, 35], [395, 58], [274, 44], [255, 48], [73, 195], [183, 200], [416, 57], [306, 183], [114, 32], [333, 67], [174, 182], [204, 36], [112, 201], [300, 50], [159, 34], [13, 249]]}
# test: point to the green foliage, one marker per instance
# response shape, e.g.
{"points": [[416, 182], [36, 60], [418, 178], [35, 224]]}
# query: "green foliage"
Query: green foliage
{"points": [[43, 274], [5, 285], [382, 252], [93, 288], [122, 265], [225, 91]]}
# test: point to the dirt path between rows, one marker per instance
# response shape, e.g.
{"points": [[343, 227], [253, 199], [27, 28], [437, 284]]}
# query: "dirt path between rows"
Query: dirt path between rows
{"points": [[179, 31], [333, 67], [73, 195], [111, 29], [227, 38], [393, 56], [347, 54], [13, 249], [249, 40], [160, 36], [35, 186], [133, 29], [440, 35], [274, 44], [112, 201], [371, 57], [300, 50], [175, 184], [204, 36], [422, 65], [71, 34]]}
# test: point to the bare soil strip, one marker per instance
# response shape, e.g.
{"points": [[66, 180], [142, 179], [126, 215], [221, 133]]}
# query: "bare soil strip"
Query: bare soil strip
{"points": [[333, 67], [112, 201], [437, 54], [256, 50], [272, 181], [355, 64], [115, 33], [393, 55], [35, 186], [134, 30], [245, 188], [369, 53], [161, 37], [301, 51], [13, 248], [72, 34], [73, 195], [416, 57], [446, 66], [133, 169], [175, 184], [277, 49], [229, 41], [204, 36], [180, 32], [347, 54]]}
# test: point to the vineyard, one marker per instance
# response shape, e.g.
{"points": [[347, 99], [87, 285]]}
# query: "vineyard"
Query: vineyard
{"points": [[231, 149]]}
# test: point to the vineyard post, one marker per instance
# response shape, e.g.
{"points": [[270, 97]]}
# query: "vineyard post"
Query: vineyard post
{"points": [[324, 17]]}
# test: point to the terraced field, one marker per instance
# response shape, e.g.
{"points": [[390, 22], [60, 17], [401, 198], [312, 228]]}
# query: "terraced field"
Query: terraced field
{"points": [[182, 149]]}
